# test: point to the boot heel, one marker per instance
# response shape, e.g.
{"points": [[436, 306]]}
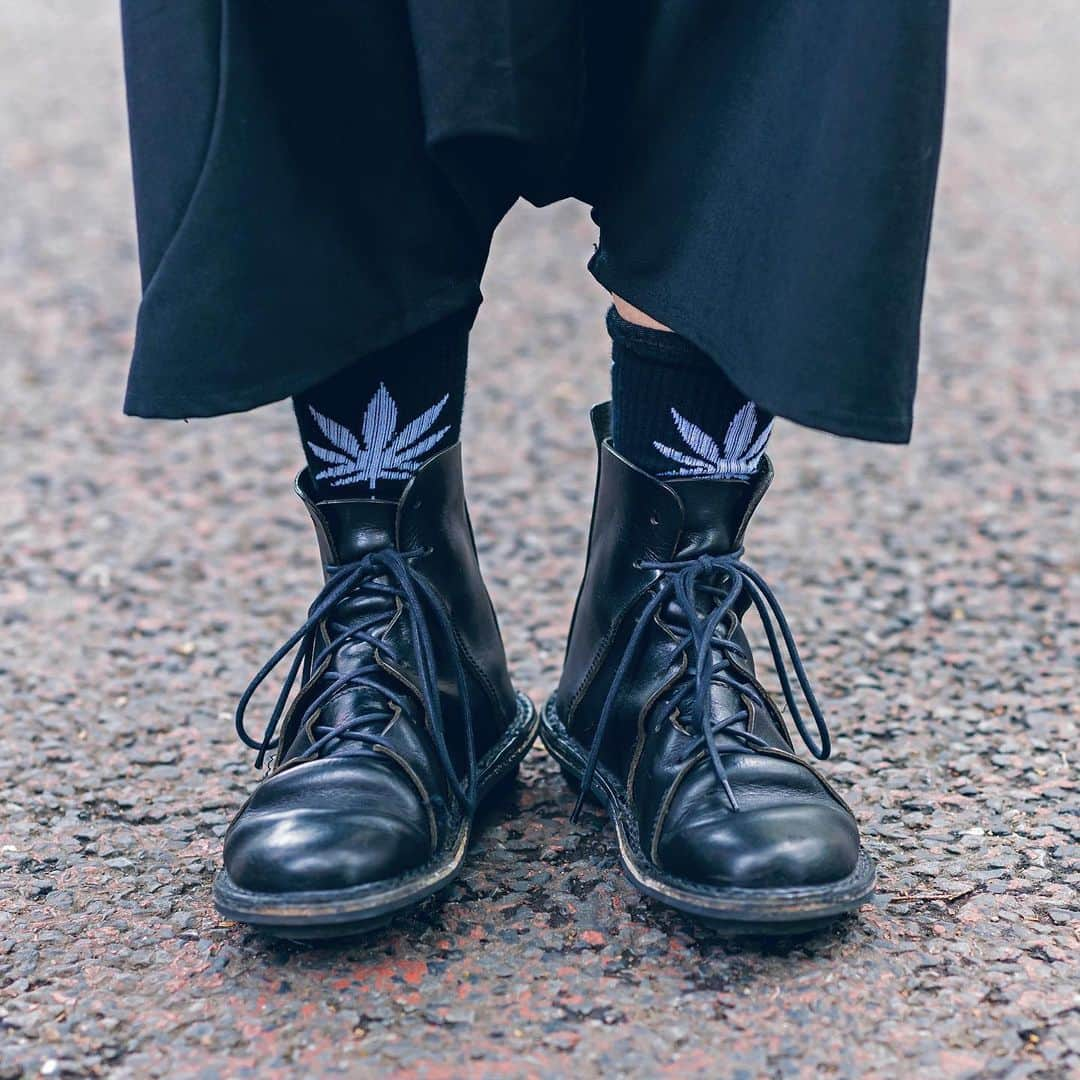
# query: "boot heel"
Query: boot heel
{"points": [[574, 783], [571, 779], [502, 788]]}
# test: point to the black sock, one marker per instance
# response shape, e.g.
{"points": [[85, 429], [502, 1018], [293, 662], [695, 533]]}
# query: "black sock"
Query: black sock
{"points": [[674, 412], [367, 429]]}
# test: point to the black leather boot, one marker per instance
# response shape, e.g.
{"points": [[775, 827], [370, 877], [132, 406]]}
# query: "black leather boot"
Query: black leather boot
{"points": [[404, 721], [659, 714]]}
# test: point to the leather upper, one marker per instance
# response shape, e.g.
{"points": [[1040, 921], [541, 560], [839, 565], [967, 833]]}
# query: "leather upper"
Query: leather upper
{"points": [[790, 827], [353, 813]]}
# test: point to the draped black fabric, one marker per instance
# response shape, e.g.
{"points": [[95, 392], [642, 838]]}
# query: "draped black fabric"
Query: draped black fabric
{"points": [[315, 181]]}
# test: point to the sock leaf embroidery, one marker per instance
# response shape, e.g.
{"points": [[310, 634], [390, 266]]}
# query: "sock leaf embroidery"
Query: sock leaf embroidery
{"points": [[386, 454], [740, 456]]}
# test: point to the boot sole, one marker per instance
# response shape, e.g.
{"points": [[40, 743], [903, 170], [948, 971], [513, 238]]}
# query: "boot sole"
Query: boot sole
{"points": [[317, 915], [731, 910]]}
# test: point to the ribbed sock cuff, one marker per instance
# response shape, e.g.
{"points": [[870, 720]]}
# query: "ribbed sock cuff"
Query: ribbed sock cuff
{"points": [[367, 429], [674, 412]]}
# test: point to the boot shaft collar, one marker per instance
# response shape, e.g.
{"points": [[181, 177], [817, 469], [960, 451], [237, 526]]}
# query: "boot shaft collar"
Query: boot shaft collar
{"points": [[678, 518], [348, 529]]}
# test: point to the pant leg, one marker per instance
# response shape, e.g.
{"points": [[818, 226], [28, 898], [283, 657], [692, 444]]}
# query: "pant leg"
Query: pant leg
{"points": [[290, 219], [770, 193]]}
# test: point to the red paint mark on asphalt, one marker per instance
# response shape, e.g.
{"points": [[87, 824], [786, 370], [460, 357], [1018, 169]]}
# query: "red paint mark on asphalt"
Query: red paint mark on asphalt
{"points": [[413, 971]]}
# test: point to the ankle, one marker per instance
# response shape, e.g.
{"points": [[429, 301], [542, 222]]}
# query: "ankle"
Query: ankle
{"points": [[635, 315]]}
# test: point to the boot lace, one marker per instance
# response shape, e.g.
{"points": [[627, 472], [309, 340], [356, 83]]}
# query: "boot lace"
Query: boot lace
{"points": [[722, 578], [389, 575]]}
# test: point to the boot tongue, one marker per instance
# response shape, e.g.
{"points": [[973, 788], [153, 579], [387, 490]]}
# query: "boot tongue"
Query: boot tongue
{"points": [[716, 512], [348, 529], [356, 527]]}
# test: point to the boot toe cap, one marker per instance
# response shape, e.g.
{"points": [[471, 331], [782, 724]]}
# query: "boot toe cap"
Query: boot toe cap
{"points": [[328, 826], [772, 847], [317, 851]]}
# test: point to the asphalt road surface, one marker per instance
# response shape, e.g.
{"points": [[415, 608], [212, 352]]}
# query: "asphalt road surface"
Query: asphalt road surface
{"points": [[147, 568]]}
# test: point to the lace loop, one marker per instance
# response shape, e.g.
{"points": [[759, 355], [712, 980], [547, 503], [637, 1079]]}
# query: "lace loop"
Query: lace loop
{"points": [[680, 582], [421, 601]]}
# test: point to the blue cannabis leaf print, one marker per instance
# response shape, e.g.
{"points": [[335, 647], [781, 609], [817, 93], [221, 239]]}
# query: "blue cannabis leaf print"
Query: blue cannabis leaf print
{"points": [[739, 457], [386, 454]]}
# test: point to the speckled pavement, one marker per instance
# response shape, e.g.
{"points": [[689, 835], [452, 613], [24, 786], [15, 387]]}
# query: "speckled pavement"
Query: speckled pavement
{"points": [[147, 568]]}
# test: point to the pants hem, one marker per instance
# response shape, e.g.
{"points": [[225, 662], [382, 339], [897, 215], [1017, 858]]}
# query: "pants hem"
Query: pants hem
{"points": [[153, 397]]}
